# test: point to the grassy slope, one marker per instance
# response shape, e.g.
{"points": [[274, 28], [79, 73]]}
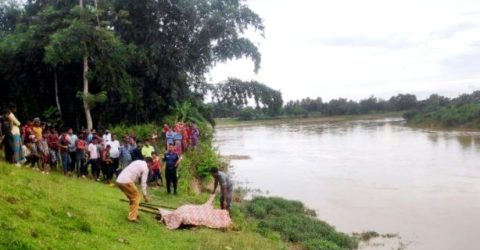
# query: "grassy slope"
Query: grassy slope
{"points": [[225, 122], [57, 212]]}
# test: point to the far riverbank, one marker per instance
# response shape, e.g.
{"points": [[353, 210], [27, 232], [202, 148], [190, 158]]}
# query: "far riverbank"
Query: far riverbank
{"points": [[233, 122]]}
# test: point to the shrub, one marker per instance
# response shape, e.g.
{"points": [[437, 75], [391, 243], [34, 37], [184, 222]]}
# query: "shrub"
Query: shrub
{"points": [[142, 132], [296, 223]]}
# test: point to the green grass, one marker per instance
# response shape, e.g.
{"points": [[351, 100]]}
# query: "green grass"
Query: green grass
{"points": [[57, 212], [295, 223]]}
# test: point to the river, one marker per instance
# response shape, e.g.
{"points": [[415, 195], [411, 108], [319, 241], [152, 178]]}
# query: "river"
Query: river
{"points": [[366, 175]]}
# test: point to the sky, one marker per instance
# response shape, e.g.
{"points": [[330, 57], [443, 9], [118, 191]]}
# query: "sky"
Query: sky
{"points": [[358, 48]]}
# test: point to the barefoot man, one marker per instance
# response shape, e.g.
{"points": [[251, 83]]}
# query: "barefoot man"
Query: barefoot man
{"points": [[126, 182]]}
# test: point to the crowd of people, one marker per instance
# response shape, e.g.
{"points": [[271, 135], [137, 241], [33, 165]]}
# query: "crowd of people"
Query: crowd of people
{"points": [[102, 156], [91, 154]]}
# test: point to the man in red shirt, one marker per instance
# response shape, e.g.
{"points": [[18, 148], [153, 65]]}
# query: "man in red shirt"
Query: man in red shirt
{"points": [[81, 147]]}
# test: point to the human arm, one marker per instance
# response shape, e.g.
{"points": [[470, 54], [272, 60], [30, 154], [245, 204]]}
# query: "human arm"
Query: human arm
{"points": [[178, 162], [144, 185], [215, 185], [13, 119]]}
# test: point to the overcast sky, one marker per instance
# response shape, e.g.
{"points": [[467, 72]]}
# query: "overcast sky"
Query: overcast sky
{"points": [[358, 48]]}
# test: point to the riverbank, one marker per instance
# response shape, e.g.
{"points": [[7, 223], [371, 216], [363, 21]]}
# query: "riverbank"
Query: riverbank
{"points": [[233, 122], [54, 211], [452, 117]]}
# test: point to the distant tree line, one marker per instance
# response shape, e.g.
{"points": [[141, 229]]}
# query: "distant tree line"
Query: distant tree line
{"points": [[343, 106], [436, 110], [308, 107]]}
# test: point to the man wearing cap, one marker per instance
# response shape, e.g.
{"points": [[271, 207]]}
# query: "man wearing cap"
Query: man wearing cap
{"points": [[126, 182]]}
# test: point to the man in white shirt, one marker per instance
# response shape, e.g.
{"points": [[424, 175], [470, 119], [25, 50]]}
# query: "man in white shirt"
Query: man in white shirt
{"points": [[106, 138], [114, 154], [126, 182], [94, 158]]}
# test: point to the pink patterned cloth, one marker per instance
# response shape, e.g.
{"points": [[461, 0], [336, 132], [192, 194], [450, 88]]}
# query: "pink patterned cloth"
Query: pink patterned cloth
{"points": [[197, 215]]}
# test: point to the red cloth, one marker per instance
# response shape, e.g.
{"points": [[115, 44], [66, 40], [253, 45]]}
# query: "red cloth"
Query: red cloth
{"points": [[197, 215], [52, 141], [156, 163], [81, 144]]}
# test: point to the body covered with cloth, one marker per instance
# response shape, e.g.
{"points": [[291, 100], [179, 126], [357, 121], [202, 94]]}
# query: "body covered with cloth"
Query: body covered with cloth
{"points": [[197, 215]]}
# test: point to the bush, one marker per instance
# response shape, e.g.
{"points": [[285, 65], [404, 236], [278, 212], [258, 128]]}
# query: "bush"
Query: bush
{"points": [[142, 132], [202, 159], [296, 223], [467, 115]]}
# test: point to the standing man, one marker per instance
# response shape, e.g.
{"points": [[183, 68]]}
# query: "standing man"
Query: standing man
{"points": [[72, 149], [126, 182], [94, 159], [81, 148], [125, 156], [172, 160], [107, 137], [226, 187], [114, 154], [62, 146]]}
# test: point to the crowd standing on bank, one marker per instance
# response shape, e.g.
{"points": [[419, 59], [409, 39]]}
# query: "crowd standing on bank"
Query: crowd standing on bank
{"points": [[100, 156]]}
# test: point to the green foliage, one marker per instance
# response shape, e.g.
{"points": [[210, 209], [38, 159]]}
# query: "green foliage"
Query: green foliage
{"points": [[142, 132], [343, 106], [235, 94], [93, 100], [52, 116], [248, 114], [202, 159], [148, 56], [185, 112], [437, 111], [296, 223], [467, 115]]}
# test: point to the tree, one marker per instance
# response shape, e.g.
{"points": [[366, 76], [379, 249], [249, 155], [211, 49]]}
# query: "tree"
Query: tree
{"points": [[144, 58], [235, 93]]}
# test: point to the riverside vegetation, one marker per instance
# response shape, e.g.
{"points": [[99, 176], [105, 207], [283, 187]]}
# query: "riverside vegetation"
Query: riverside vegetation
{"points": [[47, 212]]}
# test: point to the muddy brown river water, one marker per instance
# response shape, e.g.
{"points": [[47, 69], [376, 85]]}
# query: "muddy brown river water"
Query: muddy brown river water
{"points": [[365, 175]]}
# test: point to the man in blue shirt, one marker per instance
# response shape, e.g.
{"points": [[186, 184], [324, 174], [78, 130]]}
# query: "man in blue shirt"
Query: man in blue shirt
{"points": [[172, 161]]}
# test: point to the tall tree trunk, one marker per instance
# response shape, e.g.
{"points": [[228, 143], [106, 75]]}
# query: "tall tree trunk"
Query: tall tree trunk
{"points": [[57, 99], [86, 106]]}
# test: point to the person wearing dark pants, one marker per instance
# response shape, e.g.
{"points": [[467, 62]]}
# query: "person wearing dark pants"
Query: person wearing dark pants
{"points": [[172, 161], [95, 166], [226, 187], [81, 147], [94, 159], [115, 156], [72, 150], [107, 164], [114, 168]]}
